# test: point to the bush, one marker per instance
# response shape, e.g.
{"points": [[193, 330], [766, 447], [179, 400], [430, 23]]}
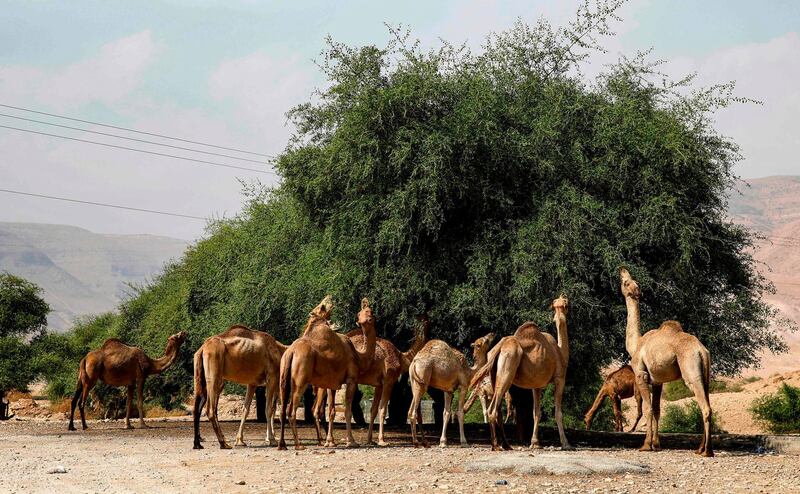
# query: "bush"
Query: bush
{"points": [[676, 390], [780, 411], [687, 419]]}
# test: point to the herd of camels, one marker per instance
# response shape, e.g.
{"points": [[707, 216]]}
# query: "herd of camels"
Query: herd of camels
{"points": [[327, 360]]}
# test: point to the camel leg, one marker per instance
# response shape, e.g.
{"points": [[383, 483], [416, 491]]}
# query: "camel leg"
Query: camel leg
{"points": [[297, 395], [448, 402], [558, 394], [377, 396], [701, 397], [199, 403], [140, 402], [415, 412], [319, 400], [82, 403], [386, 393], [462, 398], [484, 404], [509, 408], [598, 402], [272, 396], [214, 390], [642, 384], [248, 398], [330, 442], [616, 403], [537, 417], [75, 399], [655, 399], [128, 406], [638, 398], [350, 391]]}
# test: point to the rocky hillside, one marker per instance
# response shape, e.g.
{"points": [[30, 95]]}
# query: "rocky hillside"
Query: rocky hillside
{"points": [[771, 206], [81, 272]]}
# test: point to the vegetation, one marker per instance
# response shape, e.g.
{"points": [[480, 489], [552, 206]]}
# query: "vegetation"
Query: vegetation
{"points": [[780, 411], [688, 419], [23, 315], [477, 186], [677, 390]]}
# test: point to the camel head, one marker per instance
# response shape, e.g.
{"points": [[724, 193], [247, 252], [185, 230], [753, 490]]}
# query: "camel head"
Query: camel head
{"points": [[323, 309], [628, 285], [178, 338], [482, 344], [561, 304], [365, 314]]}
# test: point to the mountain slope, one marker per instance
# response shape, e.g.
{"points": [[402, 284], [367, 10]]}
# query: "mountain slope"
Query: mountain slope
{"points": [[81, 272]]}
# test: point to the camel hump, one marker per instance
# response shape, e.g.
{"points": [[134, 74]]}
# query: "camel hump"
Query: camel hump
{"points": [[113, 342], [672, 326], [528, 329], [239, 330]]}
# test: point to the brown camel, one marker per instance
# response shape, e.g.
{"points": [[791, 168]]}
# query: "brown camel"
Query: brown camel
{"points": [[324, 359], [239, 355], [529, 359], [618, 385], [485, 391], [440, 366], [664, 355], [388, 364], [118, 364]]}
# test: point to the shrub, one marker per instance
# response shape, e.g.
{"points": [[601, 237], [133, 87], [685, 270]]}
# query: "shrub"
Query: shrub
{"points": [[688, 419], [676, 390], [780, 411]]}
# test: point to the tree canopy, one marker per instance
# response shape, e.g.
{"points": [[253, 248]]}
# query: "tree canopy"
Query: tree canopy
{"points": [[477, 186], [22, 310]]}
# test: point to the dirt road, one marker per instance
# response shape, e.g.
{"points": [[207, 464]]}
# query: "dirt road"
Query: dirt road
{"points": [[107, 458]]}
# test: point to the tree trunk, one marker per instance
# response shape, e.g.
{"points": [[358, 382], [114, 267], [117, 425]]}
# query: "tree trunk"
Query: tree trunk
{"points": [[438, 406], [261, 404], [399, 402], [523, 403]]}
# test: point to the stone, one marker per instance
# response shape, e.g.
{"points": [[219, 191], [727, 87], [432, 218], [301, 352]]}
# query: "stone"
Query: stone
{"points": [[555, 463]]}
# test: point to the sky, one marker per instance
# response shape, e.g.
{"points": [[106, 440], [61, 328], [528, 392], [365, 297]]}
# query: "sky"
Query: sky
{"points": [[227, 72]]}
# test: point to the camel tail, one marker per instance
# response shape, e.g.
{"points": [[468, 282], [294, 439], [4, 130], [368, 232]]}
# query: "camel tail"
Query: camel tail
{"points": [[706, 373], [286, 378], [200, 395]]}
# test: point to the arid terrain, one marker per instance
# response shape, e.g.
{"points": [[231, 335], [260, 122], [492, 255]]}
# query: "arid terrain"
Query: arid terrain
{"points": [[108, 458]]}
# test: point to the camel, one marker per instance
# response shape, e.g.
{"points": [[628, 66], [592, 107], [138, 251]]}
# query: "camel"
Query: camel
{"points": [[118, 364], [664, 355], [440, 366], [239, 355], [529, 359], [388, 364], [617, 386], [324, 359], [485, 391]]}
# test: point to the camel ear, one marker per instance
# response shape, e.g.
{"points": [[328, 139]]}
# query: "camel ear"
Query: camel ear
{"points": [[624, 272], [364, 303]]}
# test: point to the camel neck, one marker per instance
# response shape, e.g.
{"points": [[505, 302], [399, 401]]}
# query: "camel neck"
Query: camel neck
{"points": [[560, 318], [479, 360], [367, 354], [163, 363], [632, 331]]}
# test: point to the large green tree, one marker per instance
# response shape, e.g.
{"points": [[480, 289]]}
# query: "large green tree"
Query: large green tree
{"points": [[477, 186]]}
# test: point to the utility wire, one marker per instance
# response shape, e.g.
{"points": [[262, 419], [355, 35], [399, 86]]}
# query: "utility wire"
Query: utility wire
{"points": [[129, 138], [213, 163], [134, 130], [66, 199]]}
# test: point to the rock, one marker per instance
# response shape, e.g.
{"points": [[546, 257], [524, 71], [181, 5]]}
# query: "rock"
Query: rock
{"points": [[501, 482], [58, 469], [556, 463], [240, 482]]}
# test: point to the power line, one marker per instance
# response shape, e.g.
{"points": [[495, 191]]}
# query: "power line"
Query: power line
{"points": [[134, 130], [66, 199], [213, 163], [129, 138]]}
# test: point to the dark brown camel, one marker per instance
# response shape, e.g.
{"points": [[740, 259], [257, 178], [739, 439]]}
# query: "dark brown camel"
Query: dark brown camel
{"points": [[618, 385], [118, 364]]}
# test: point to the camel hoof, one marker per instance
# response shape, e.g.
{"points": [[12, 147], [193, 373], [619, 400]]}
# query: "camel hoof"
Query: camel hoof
{"points": [[646, 447], [71, 428], [443, 444], [225, 446], [282, 447], [507, 447], [240, 443], [197, 446], [129, 427], [299, 447], [330, 444], [567, 447], [382, 444], [464, 445], [370, 443], [495, 447], [535, 446], [707, 454], [426, 445], [351, 444], [85, 428]]}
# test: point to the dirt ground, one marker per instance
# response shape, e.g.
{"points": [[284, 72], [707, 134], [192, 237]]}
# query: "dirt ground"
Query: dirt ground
{"points": [[107, 458]]}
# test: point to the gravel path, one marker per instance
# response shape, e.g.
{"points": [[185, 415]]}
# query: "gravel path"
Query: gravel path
{"points": [[109, 459]]}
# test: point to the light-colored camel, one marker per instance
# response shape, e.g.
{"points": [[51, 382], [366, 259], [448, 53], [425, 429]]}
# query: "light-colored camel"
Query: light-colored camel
{"points": [[325, 359], [529, 359], [617, 386], [485, 391], [239, 355], [440, 366], [664, 355], [118, 364], [388, 364]]}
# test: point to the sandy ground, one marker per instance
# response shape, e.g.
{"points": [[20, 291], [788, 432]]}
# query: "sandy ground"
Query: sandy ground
{"points": [[107, 458]]}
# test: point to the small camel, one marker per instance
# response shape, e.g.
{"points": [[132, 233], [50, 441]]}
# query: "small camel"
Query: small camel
{"points": [[485, 391], [388, 364], [617, 386], [239, 355], [324, 359], [664, 355], [440, 366], [118, 364], [529, 359]]}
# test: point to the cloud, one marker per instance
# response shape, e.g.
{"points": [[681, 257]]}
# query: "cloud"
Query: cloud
{"points": [[113, 73]]}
